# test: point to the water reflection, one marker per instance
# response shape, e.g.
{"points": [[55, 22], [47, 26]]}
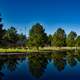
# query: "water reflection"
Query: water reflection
{"points": [[1, 76], [10, 61], [71, 58], [38, 62], [59, 60]]}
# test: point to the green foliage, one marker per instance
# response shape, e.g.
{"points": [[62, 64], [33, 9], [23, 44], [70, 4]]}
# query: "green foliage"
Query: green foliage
{"points": [[59, 38], [1, 28], [37, 36], [78, 41], [71, 39], [2, 32], [21, 40], [50, 40], [11, 35], [13, 39]]}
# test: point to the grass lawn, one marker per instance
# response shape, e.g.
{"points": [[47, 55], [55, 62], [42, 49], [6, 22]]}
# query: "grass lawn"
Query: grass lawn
{"points": [[22, 50]]}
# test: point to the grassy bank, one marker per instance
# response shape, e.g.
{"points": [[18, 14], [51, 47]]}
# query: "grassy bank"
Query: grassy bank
{"points": [[22, 50], [12, 50]]}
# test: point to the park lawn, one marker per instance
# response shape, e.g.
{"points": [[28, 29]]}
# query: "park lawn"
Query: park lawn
{"points": [[12, 50], [23, 50]]}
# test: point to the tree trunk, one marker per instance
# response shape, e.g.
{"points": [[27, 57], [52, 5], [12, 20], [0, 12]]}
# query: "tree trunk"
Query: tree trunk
{"points": [[37, 48]]}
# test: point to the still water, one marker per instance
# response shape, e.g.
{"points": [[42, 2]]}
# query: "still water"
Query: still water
{"points": [[56, 65]]}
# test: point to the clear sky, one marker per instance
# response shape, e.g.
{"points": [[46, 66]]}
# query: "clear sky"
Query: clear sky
{"points": [[51, 13]]}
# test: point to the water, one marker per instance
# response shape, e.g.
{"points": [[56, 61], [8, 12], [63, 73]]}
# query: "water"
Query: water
{"points": [[57, 65]]}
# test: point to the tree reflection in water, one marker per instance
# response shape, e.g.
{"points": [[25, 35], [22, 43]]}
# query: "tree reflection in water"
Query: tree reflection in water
{"points": [[59, 60], [37, 64], [71, 58], [38, 61], [1, 67], [11, 61]]}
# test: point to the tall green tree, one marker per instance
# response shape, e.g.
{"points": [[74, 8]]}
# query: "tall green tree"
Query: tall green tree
{"points": [[37, 36], [11, 35], [2, 32], [1, 28], [59, 38], [50, 40], [78, 41], [71, 39]]}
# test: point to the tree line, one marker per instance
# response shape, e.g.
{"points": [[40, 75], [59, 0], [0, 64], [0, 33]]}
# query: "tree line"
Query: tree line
{"points": [[37, 38], [10, 38]]}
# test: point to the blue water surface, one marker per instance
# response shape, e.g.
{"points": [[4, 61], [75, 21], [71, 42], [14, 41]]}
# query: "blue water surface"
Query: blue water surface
{"points": [[58, 65]]}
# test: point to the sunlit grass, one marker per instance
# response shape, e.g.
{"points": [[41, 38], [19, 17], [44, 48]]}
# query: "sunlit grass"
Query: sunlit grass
{"points": [[13, 50], [21, 50]]}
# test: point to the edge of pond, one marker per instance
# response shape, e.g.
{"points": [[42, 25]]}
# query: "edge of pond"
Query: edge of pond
{"points": [[28, 52]]}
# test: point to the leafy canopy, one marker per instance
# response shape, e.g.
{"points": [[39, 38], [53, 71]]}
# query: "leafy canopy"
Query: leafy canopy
{"points": [[71, 39], [37, 36], [59, 38]]}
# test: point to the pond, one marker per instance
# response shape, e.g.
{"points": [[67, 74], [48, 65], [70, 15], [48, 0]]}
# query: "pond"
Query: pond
{"points": [[56, 65]]}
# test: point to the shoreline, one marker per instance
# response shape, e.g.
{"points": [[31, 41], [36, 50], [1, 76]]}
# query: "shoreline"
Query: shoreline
{"points": [[44, 49]]}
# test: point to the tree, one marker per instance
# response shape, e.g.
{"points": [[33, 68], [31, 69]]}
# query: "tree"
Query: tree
{"points": [[1, 28], [1, 25], [11, 35], [2, 32], [59, 38], [37, 36], [50, 40], [78, 41], [21, 40], [71, 39]]}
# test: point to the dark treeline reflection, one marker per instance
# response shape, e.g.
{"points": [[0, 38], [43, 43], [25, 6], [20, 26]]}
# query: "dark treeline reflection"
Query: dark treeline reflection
{"points": [[11, 62], [38, 62], [59, 60]]}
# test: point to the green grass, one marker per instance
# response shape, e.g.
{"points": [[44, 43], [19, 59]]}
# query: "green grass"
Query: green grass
{"points": [[12, 50], [44, 49]]}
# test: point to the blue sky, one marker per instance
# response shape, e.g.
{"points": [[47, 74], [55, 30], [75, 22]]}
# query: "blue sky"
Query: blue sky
{"points": [[51, 13]]}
